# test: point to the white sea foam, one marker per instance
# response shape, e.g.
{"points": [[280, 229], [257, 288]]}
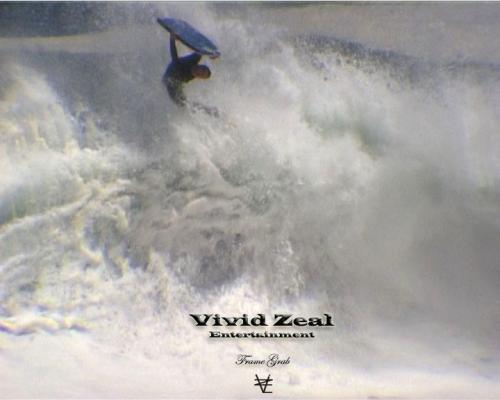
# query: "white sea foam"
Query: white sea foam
{"points": [[340, 179]]}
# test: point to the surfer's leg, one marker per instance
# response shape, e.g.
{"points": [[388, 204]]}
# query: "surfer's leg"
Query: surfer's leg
{"points": [[212, 111]]}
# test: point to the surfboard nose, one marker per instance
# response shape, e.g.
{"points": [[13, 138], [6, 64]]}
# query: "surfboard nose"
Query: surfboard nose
{"points": [[190, 36]]}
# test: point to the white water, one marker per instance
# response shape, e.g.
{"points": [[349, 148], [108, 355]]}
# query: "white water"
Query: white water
{"points": [[361, 184]]}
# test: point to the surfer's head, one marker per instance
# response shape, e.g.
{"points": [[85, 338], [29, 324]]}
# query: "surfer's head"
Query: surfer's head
{"points": [[201, 71]]}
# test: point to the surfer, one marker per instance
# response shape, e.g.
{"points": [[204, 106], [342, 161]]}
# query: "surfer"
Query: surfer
{"points": [[182, 70]]}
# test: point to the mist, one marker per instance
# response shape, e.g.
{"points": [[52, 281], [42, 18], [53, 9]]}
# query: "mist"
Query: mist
{"points": [[354, 170]]}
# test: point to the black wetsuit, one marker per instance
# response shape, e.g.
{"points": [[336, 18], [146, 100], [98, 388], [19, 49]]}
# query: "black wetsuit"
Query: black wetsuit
{"points": [[179, 72]]}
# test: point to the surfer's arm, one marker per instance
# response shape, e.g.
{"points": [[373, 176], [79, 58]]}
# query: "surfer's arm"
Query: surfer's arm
{"points": [[173, 48], [192, 59]]}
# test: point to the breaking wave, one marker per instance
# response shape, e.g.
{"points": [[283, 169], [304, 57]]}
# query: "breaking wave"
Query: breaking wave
{"points": [[340, 178]]}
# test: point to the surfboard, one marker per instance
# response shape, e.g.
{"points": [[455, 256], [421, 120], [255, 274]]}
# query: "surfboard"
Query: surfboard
{"points": [[190, 36]]}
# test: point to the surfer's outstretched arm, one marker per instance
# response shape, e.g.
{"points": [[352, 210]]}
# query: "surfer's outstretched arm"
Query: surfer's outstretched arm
{"points": [[173, 48]]}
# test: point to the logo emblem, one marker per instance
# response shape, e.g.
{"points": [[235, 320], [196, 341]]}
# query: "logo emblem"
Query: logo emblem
{"points": [[263, 383]]}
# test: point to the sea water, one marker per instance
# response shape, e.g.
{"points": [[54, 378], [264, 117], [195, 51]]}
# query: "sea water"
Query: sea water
{"points": [[354, 171]]}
